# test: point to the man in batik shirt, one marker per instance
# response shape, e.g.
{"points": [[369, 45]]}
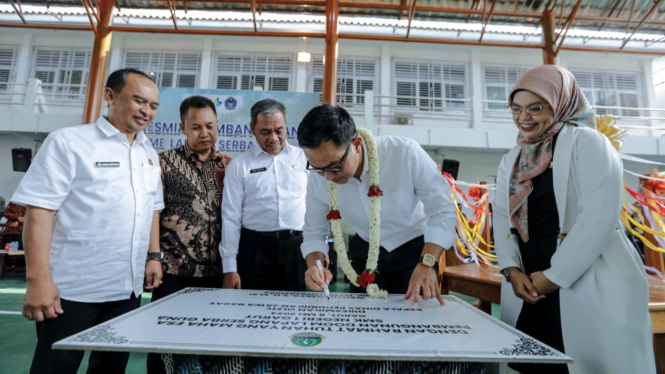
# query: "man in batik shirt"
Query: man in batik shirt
{"points": [[190, 224]]}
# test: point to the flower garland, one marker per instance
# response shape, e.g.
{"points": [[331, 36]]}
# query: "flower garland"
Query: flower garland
{"points": [[366, 279]]}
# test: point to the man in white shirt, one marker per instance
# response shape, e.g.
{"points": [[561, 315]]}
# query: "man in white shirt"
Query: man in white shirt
{"points": [[263, 208], [417, 212], [93, 194]]}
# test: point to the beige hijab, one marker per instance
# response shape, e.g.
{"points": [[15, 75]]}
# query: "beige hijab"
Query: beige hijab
{"points": [[558, 88]]}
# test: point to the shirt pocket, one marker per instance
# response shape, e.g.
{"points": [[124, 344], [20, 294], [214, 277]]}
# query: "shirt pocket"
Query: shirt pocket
{"points": [[395, 208], [297, 180], [151, 176]]}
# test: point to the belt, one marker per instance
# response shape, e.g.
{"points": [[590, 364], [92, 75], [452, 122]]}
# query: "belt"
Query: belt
{"points": [[280, 234]]}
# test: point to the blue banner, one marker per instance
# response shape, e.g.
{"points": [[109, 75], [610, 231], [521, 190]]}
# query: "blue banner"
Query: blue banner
{"points": [[233, 112]]}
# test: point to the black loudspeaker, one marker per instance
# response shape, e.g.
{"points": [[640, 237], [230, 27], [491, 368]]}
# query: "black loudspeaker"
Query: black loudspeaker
{"points": [[21, 158], [451, 167]]}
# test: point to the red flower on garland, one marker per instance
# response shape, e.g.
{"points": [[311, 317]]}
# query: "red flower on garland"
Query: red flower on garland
{"points": [[476, 192], [366, 278], [375, 191], [334, 214], [655, 186]]}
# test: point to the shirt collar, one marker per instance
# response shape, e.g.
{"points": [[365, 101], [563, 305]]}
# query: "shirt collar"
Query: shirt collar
{"points": [[109, 130], [365, 157], [191, 153], [287, 149]]}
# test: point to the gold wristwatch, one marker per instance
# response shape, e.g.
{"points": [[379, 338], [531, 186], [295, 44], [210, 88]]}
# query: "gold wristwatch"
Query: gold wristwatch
{"points": [[429, 261]]}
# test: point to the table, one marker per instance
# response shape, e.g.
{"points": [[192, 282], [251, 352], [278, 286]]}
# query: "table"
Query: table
{"points": [[472, 280], [476, 282], [4, 256], [657, 313]]}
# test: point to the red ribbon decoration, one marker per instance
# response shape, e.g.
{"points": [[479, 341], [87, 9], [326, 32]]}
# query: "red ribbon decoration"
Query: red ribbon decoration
{"points": [[375, 191], [637, 194], [656, 186], [659, 209], [333, 215], [451, 181], [366, 278]]}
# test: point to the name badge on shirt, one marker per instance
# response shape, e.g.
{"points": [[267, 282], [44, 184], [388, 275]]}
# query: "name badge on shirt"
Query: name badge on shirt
{"points": [[259, 170], [99, 164]]}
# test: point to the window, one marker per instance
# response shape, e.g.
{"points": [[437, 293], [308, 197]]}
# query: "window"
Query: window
{"points": [[354, 77], [63, 72], [269, 72], [611, 89], [167, 69], [8, 58], [498, 82], [431, 86]]}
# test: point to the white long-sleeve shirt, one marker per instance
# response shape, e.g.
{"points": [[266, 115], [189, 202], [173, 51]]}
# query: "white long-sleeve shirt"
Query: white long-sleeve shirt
{"points": [[105, 191], [416, 200], [262, 192]]}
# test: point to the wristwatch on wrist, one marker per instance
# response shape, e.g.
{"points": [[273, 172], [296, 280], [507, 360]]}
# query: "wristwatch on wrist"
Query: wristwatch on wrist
{"points": [[506, 272], [157, 256], [429, 261]]}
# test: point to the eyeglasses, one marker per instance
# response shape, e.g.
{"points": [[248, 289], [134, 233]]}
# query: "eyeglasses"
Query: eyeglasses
{"points": [[533, 110], [334, 169]]}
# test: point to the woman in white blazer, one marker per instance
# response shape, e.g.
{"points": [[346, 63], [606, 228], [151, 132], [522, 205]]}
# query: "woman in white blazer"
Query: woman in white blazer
{"points": [[573, 280]]}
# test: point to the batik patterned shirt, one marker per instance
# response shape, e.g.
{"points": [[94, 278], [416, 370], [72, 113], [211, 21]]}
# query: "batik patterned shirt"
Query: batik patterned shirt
{"points": [[191, 222], [13, 212]]}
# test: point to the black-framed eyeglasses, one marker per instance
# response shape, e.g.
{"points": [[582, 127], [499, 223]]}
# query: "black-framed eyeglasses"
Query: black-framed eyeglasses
{"points": [[533, 110], [333, 169]]}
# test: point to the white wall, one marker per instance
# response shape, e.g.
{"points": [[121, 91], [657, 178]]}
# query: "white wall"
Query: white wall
{"points": [[10, 178], [477, 144]]}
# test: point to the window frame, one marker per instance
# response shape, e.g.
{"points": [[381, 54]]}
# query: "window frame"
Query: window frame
{"points": [[448, 105], [240, 76], [610, 77], [11, 68], [156, 61], [357, 99], [500, 109], [61, 89]]}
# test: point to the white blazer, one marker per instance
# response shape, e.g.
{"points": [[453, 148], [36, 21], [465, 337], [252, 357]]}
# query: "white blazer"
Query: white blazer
{"points": [[604, 294]]}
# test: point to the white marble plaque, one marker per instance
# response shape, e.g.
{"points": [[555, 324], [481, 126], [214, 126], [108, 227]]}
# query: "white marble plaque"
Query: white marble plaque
{"points": [[308, 325]]}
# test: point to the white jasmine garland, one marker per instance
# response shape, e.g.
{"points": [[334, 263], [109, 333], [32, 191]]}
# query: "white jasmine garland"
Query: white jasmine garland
{"points": [[374, 221]]}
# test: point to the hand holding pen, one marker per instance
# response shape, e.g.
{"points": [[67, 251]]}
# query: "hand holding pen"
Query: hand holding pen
{"points": [[323, 276]]}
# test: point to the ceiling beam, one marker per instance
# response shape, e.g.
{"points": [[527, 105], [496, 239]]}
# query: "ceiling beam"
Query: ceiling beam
{"points": [[563, 5], [639, 25], [614, 50], [412, 11], [18, 10], [391, 38], [615, 20], [569, 23], [94, 8], [87, 5], [300, 34], [402, 8], [489, 17], [172, 7], [630, 19], [264, 2], [45, 26], [186, 31], [609, 14], [253, 5]]}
